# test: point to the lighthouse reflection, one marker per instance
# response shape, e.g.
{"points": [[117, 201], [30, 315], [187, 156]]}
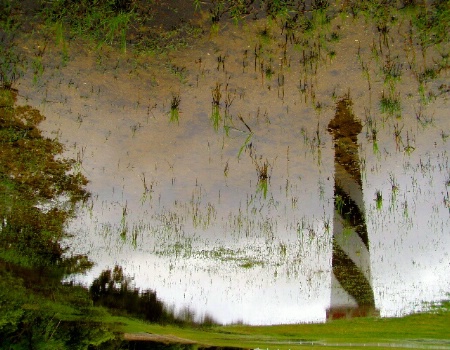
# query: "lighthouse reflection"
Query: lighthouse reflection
{"points": [[351, 286]]}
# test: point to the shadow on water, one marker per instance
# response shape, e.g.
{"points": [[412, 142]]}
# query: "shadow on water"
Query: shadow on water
{"points": [[351, 291]]}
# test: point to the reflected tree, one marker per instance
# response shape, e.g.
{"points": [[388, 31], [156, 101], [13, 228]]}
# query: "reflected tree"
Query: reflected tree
{"points": [[39, 191], [114, 290]]}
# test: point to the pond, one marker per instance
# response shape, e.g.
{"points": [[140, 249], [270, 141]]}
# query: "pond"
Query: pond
{"points": [[261, 176]]}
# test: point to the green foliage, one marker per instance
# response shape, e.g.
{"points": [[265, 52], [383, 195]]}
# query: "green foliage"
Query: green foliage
{"points": [[215, 113], [37, 192], [11, 291], [8, 18], [278, 7], [11, 62], [238, 9], [235, 9], [37, 195], [175, 108], [432, 23], [106, 21], [390, 105], [30, 319], [425, 328], [245, 144], [114, 290]]}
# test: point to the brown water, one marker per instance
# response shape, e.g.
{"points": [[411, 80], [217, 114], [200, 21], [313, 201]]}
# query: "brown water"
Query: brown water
{"points": [[182, 206]]}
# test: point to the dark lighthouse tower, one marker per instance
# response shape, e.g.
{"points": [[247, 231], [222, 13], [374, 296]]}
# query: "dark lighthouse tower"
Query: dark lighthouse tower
{"points": [[351, 289]]}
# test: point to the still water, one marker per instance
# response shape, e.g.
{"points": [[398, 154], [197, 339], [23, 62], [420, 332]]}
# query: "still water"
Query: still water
{"points": [[277, 189]]}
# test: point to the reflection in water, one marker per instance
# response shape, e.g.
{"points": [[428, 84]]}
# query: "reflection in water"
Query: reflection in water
{"points": [[175, 205], [114, 290], [351, 290]]}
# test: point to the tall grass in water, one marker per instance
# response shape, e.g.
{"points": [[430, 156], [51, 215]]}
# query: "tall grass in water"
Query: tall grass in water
{"points": [[175, 108], [390, 105], [216, 98], [107, 21]]}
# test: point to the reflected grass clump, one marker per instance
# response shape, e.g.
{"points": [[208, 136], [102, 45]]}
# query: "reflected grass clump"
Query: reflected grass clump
{"points": [[379, 199], [175, 108], [390, 105], [106, 21], [432, 23], [122, 24], [12, 64], [215, 113], [392, 71], [262, 169]]}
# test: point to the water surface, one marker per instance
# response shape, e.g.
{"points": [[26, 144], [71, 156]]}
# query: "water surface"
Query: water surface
{"points": [[186, 207]]}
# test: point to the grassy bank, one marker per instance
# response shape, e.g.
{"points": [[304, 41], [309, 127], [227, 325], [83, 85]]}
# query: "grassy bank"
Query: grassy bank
{"points": [[416, 331]]}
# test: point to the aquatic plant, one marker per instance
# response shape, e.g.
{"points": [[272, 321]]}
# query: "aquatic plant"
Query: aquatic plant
{"points": [[334, 36], [180, 72], [123, 222], [221, 62], [175, 108], [148, 189], [398, 135], [379, 199], [135, 127], [392, 70], [247, 144], [372, 130], [409, 148], [262, 169], [425, 96], [11, 62], [216, 98], [432, 23], [105, 21], [423, 119], [390, 104], [36, 63], [269, 72]]}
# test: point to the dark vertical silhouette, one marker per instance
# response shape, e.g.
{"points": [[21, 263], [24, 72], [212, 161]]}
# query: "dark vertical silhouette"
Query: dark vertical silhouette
{"points": [[351, 289]]}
